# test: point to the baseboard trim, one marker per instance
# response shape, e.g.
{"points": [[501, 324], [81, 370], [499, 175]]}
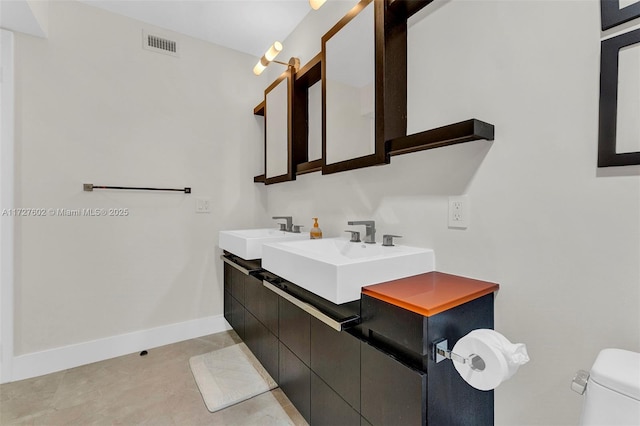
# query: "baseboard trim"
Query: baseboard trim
{"points": [[52, 360]]}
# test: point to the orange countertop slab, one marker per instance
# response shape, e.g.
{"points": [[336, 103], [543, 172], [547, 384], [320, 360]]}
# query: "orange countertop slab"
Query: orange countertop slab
{"points": [[431, 293]]}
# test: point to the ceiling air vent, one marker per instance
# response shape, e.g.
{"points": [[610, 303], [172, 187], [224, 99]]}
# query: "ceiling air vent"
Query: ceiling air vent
{"points": [[159, 44]]}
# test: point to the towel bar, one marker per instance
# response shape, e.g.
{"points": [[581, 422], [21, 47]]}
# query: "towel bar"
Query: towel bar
{"points": [[91, 187]]}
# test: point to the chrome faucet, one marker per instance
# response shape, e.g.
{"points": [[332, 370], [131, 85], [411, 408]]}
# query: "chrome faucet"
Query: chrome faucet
{"points": [[370, 228], [289, 226]]}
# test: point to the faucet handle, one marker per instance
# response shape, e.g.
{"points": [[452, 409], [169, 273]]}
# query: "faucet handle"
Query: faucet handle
{"points": [[287, 226], [387, 240], [355, 236], [296, 229], [283, 226]]}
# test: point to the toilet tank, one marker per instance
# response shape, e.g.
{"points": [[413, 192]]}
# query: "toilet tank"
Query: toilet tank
{"points": [[612, 396]]}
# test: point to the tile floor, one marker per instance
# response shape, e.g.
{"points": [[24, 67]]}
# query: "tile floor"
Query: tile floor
{"points": [[156, 389]]}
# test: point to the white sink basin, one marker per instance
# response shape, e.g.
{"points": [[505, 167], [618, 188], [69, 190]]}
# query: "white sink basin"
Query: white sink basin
{"points": [[247, 243], [336, 269]]}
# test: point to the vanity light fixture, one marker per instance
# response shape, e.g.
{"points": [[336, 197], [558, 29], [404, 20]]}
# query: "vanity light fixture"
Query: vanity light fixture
{"points": [[316, 4], [269, 57]]}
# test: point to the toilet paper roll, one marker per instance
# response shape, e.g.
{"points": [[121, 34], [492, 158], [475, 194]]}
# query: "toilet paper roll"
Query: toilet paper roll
{"points": [[501, 357]]}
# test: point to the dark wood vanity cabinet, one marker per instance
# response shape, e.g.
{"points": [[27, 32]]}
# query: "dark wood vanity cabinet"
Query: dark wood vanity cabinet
{"points": [[295, 374], [392, 392], [319, 368], [252, 311], [295, 329], [233, 308], [335, 358], [295, 381], [261, 324], [328, 408], [378, 373], [262, 303], [409, 336]]}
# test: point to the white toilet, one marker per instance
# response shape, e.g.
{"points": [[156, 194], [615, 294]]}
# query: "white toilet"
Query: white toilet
{"points": [[612, 389]]}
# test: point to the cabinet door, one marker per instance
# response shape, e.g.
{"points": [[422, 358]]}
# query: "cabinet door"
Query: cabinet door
{"points": [[270, 354], [295, 381], [392, 393], [252, 333], [237, 317], [228, 307], [253, 290], [328, 408], [270, 310], [262, 303], [262, 343], [294, 326], [364, 422], [227, 277], [237, 285], [335, 357]]}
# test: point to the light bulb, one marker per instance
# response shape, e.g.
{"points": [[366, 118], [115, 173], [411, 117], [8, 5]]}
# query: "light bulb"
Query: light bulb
{"points": [[257, 70], [273, 51], [316, 4]]}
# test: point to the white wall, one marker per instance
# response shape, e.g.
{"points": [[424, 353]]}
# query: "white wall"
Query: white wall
{"points": [[94, 107], [560, 236], [6, 202], [25, 16]]}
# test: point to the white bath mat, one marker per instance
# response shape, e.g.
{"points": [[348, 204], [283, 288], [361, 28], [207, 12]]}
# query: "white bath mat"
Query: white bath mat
{"points": [[228, 376]]}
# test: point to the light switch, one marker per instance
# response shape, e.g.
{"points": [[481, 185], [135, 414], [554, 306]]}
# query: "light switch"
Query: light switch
{"points": [[203, 205]]}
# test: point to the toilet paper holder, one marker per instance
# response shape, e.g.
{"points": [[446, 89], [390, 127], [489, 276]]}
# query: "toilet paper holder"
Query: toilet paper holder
{"points": [[441, 352]]}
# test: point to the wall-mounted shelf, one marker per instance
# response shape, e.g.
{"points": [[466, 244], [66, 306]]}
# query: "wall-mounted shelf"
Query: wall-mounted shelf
{"points": [[259, 179], [464, 131], [259, 109], [309, 167]]}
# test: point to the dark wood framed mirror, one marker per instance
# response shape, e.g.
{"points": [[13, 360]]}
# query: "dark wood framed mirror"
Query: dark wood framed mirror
{"points": [[352, 117], [259, 110], [307, 117], [278, 114], [373, 33]]}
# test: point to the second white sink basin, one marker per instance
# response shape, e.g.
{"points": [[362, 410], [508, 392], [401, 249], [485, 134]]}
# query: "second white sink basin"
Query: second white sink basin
{"points": [[336, 269], [247, 243]]}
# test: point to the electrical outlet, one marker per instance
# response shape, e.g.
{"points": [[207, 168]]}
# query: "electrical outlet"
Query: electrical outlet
{"points": [[459, 212], [203, 205]]}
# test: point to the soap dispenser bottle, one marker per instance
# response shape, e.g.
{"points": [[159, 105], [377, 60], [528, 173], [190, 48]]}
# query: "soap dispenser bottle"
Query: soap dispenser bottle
{"points": [[316, 232]]}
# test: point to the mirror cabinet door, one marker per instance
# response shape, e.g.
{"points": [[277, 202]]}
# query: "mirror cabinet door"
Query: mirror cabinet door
{"points": [[278, 117], [349, 94], [307, 117], [314, 137]]}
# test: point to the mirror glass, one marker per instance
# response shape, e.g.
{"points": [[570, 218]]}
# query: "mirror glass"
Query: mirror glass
{"points": [[628, 126], [315, 121], [349, 89], [277, 129]]}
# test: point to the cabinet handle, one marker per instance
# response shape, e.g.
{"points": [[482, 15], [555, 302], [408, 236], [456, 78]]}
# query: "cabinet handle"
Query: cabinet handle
{"points": [[238, 267], [311, 310]]}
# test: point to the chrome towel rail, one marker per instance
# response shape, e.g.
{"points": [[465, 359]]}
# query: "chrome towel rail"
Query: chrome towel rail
{"points": [[312, 310], [234, 263]]}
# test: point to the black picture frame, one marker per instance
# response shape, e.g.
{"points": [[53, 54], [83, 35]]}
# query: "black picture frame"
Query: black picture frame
{"points": [[612, 15], [609, 55]]}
